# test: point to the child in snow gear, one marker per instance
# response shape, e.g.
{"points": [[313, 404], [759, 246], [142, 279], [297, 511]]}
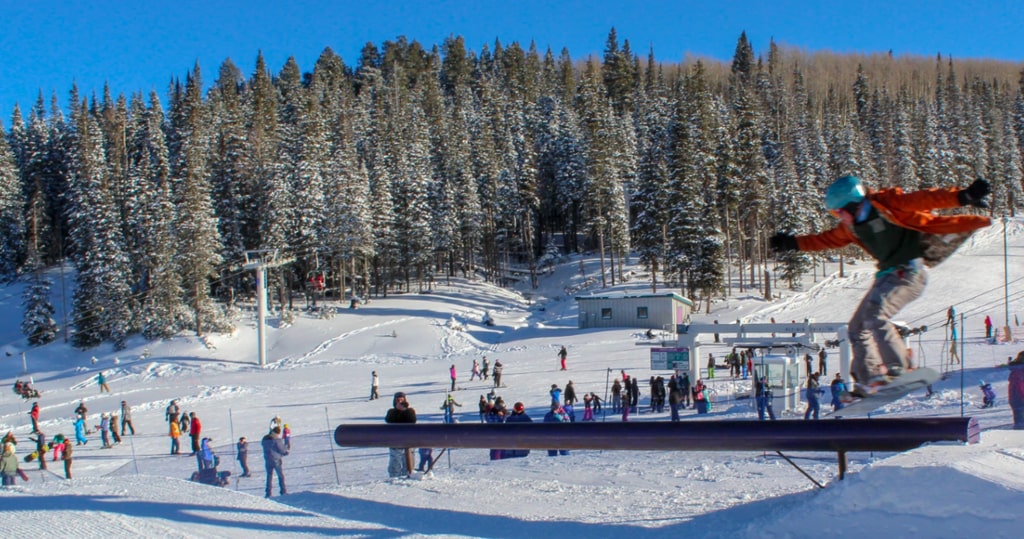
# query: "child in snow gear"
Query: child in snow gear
{"points": [[899, 230], [989, 396], [448, 406], [243, 456]]}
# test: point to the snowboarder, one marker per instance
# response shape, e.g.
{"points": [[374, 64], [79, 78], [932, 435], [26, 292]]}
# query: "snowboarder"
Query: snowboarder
{"points": [[562, 354], [899, 230], [451, 372], [101, 380], [988, 327]]}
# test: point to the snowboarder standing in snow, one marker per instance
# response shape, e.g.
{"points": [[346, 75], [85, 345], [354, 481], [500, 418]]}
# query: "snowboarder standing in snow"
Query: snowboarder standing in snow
{"points": [[900, 232]]}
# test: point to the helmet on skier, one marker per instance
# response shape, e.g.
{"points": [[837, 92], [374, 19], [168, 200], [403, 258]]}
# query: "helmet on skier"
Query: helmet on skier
{"points": [[845, 190]]}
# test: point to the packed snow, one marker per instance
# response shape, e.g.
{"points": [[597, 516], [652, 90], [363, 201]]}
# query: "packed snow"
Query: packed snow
{"points": [[318, 376]]}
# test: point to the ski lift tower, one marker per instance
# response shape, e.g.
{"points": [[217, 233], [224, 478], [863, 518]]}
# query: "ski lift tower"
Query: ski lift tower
{"points": [[259, 261]]}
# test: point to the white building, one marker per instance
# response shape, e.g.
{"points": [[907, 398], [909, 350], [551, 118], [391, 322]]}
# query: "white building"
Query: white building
{"points": [[654, 311]]}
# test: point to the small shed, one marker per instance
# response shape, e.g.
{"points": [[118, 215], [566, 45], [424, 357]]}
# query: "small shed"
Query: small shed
{"points": [[653, 311]]}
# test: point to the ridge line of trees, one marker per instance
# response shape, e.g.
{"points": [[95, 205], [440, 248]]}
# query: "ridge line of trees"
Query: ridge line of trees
{"points": [[413, 165]]}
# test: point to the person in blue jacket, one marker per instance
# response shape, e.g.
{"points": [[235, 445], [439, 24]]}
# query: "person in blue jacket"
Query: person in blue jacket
{"points": [[273, 451], [838, 387], [556, 415], [813, 394], [207, 457], [80, 438]]}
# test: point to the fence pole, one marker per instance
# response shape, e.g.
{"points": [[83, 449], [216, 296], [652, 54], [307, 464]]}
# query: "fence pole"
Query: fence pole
{"points": [[231, 429], [330, 437]]}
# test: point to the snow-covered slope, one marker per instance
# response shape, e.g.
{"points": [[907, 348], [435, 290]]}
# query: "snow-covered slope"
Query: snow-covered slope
{"points": [[318, 377]]}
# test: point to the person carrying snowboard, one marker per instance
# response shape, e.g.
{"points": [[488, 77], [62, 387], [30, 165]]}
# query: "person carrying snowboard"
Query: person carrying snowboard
{"points": [[900, 232]]}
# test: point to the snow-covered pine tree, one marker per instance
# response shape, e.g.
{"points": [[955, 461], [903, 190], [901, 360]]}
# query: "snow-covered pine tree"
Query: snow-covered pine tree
{"points": [[12, 203], [102, 298], [199, 246], [38, 323], [162, 312], [233, 196]]}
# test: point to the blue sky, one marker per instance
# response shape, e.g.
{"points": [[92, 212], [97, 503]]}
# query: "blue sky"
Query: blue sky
{"points": [[139, 46]]}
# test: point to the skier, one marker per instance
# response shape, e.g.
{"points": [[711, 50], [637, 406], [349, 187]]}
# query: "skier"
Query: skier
{"points": [[562, 355], [899, 230], [374, 386], [988, 327], [451, 371]]}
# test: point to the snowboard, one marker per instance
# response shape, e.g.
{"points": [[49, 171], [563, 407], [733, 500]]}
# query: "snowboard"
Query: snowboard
{"points": [[909, 382]]}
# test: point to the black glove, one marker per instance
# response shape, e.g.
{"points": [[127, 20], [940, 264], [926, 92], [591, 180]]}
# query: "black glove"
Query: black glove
{"points": [[974, 194], [783, 242]]}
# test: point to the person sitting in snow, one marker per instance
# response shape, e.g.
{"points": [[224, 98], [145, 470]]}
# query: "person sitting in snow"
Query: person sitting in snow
{"points": [[989, 396]]}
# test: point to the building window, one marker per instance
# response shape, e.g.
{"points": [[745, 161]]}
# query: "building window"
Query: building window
{"points": [[641, 313], [606, 313]]}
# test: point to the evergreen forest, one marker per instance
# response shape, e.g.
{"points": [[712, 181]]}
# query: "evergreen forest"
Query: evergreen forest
{"points": [[412, 164]]}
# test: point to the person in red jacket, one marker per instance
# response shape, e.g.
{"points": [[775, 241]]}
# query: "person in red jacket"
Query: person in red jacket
{"points": [[900, 231], [34, 414], [195, 430]]}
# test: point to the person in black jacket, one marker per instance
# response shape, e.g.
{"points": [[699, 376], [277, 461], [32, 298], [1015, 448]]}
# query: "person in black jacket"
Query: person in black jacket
{"points": [[400, 458], [273, 451]]}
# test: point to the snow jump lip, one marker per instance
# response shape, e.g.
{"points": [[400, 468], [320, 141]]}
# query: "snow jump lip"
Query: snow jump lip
{"points": [[885, 434]]}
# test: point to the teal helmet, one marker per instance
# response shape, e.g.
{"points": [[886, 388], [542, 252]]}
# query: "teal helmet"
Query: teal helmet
{"points": [[845, 190]]}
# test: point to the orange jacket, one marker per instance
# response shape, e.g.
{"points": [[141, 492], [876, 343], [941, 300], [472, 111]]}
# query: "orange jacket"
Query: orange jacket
{"points": [[909, 210]]}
